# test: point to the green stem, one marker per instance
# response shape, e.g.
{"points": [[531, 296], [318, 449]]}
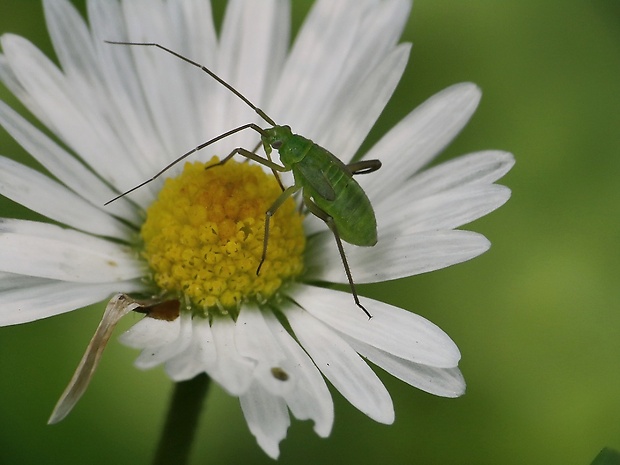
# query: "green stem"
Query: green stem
{"points": [[179, 430]]}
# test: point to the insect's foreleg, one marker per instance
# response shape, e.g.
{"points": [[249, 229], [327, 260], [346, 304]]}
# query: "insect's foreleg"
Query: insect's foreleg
{"points": [[252, 156], [329, 221], [364, 166], [275, 173], [277, 176], [268, 214]]}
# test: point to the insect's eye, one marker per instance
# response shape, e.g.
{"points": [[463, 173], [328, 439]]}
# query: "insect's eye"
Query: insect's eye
{"points": [[276, 144]]}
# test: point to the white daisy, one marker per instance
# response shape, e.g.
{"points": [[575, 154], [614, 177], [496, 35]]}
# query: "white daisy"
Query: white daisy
{"points": [[118, 114]]}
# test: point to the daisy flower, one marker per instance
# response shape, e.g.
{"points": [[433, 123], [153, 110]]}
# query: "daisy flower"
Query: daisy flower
{"points": [[184, 248]]}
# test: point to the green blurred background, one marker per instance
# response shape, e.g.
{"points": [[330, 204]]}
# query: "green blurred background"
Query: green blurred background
{"points": [[537, 318]]}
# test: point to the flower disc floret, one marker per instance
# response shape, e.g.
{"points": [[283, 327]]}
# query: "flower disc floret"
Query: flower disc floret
{"points": [[203, 236]]}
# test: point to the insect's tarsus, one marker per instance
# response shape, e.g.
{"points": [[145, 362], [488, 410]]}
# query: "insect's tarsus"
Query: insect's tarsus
{"points": [[329, 221]]}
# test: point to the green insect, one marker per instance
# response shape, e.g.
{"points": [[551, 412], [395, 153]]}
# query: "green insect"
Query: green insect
{"points": [[327, 185]]}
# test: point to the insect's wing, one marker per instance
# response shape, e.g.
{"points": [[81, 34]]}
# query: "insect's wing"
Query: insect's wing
{"points": [[119, 306], [316, 180]]}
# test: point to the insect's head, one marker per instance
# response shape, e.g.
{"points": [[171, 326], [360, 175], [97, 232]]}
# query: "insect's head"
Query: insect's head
{"points": [[276, 136]]}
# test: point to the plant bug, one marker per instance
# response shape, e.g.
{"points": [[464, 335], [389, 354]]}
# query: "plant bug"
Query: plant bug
{"points": [[328, 189]]}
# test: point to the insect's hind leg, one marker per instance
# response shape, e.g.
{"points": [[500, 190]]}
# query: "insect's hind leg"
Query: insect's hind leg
{"points": [[329, 221], [364, 166]]}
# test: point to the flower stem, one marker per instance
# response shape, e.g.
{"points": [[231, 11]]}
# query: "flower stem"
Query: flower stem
{"points": [[180, 428]]}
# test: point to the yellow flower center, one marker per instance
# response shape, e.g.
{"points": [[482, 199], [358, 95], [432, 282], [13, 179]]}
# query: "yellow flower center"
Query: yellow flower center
{"points": [[203, 237]]}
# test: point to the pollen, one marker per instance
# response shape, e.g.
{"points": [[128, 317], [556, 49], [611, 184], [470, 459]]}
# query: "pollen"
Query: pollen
{"points": [[203, 237]]}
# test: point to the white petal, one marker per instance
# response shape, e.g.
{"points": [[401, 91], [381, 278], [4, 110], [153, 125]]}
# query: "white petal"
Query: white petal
{"points": [[151, 357], [194, 32], [151, 333], [233, 371], [73, 44], [327, 36], [443, 211], [419, 137], [62, 165], [357, 109], [310, 399], [184, 362], [9, 79], [199, 357], [359, 92], [342, 366], [12, 281], [244, 60], [144, 152], [35, 298], [41, 194], [55, 232], [479, 168], [393, 257], [381, 25], [267, 418], [445, 382], [170, 111], [49, 251], [391, 329], [255, 341], [80, 125]]}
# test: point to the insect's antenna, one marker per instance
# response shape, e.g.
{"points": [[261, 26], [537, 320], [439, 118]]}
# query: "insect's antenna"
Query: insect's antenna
{"points": [[187, 154], [258, 111]]}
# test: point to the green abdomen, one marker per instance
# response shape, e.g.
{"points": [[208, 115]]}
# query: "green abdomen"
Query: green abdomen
{"points": [[351, 210]]}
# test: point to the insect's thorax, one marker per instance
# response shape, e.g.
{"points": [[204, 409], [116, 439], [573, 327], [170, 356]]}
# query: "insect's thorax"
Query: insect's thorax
{"points": [[295, 149], [292, 148]]}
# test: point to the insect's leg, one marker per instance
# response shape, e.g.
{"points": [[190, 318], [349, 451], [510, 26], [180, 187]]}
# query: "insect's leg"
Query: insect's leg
{"points": [[252, 156], [329, 221], [277, 176], [258, 159], [275, 173], [268, 214], [364, 166]]}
